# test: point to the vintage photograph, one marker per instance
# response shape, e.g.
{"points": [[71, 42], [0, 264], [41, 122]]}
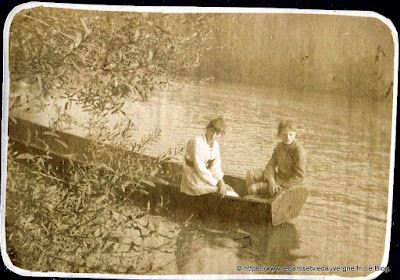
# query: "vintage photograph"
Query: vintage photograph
{"points": [[173, 142]]}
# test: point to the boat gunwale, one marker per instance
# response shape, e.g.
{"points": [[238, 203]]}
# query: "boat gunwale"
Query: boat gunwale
{"points": [[64, 159]]}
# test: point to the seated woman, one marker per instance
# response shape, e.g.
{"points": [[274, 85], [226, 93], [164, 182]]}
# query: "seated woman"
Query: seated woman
{"points": [[286, 168], [202, 172]]}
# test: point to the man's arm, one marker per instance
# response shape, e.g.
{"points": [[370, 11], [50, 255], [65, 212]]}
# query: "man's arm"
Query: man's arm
{"points": [[269, 171], [299, 169]]}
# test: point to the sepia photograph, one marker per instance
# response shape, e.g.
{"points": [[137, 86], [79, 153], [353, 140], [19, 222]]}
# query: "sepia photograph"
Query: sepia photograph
{"points": [[186, 142]]}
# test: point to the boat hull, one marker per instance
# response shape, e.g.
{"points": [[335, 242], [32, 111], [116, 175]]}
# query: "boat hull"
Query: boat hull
{"points": [[283, 207]]}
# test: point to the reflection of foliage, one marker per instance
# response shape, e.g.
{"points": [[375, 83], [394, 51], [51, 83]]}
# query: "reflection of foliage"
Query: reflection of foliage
{"points": [[101, 59], [83, 220]]}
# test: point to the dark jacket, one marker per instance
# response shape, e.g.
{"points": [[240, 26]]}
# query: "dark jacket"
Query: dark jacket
{"points": [[287, 164]]}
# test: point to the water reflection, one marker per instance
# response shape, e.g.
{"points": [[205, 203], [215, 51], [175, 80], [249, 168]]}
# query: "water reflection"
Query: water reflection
{"points": [[274, 245], [217, 246]]}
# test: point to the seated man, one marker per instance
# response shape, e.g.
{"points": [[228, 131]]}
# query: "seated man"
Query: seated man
{"points": [[202, 172], [287, 166]]}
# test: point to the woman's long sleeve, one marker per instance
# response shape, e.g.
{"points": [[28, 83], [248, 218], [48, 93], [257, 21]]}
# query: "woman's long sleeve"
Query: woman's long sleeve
{"points": [[216, 166], [200, 165]]}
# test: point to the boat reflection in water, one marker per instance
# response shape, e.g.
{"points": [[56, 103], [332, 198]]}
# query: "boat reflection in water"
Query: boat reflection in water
{"points": [[218, 246]]}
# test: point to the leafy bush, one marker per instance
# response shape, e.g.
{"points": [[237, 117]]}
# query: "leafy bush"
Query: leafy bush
{"points": [[82, 219]]}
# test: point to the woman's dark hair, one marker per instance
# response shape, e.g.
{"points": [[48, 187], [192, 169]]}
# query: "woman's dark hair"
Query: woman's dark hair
{"points": [[218, 125], [286, 124]]}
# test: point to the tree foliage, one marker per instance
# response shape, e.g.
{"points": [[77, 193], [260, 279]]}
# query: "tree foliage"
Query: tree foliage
{"points": [[83, 220], [101, 59]]}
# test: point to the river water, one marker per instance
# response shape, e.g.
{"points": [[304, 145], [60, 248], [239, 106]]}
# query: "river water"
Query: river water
{"points": [[347, 140]]}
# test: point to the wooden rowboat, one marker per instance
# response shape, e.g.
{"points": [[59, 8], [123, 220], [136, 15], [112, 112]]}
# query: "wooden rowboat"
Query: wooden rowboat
{"points": [[277, 210]]}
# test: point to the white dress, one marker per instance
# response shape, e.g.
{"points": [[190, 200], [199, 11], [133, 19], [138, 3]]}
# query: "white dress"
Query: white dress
{"points": [[197, 179]]}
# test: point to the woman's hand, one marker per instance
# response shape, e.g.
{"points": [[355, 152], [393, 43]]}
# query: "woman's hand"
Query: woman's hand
{"points": [[221, 188]]}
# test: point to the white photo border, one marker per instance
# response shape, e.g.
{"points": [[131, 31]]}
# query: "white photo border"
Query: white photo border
{"points": [[175, 9]]}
